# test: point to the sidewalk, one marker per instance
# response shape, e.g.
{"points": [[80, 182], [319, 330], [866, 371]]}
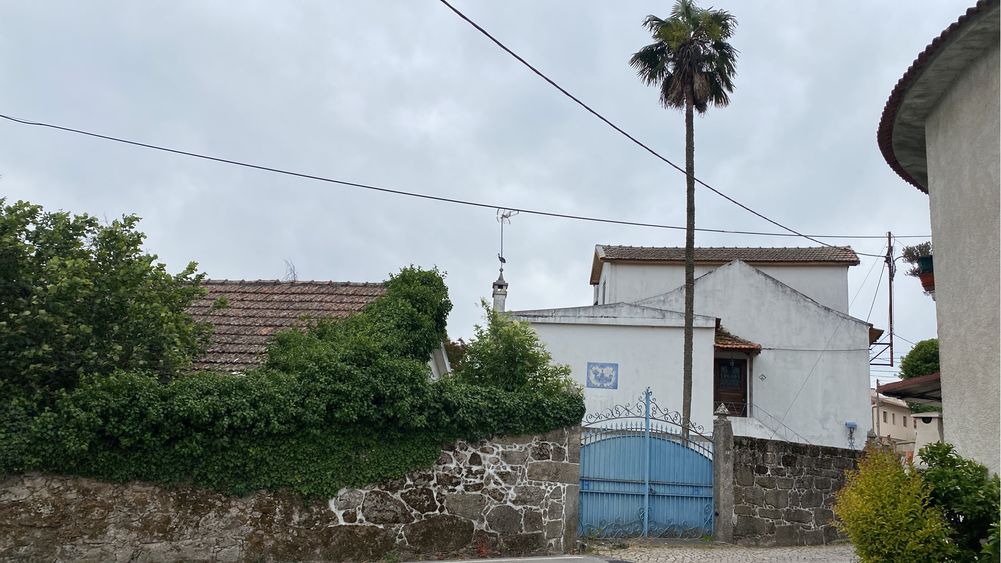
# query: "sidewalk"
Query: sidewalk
{"points": [[653, 551]]}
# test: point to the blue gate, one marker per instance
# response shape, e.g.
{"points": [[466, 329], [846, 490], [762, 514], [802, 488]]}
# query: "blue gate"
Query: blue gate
{"points": [[640, 477]]}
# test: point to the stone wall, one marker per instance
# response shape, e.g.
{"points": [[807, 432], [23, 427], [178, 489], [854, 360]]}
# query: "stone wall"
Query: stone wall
{"points": [[506, 496], [783, 492]]}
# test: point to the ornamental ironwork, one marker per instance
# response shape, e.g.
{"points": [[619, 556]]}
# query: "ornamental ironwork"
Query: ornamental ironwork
{"points": [[638, 410]]}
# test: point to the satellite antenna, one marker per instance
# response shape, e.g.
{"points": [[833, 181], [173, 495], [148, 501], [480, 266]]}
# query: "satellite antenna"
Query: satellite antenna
{"points": [[503, 216]]}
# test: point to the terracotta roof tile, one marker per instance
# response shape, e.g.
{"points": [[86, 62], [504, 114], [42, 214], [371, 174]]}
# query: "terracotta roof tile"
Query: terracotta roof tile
{"points": [[727, 341], [258, 309]]}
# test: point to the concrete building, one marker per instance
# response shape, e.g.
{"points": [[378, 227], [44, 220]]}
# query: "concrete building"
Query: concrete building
{"points": [[893, 423], [786, 360], [940, 132]]}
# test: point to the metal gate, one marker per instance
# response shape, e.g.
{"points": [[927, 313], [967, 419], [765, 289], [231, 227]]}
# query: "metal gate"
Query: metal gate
{"points": [[640, 477]]}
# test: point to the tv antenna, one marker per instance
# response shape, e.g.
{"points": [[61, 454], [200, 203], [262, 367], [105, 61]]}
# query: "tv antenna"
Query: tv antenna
{"points": [[503, 216]]}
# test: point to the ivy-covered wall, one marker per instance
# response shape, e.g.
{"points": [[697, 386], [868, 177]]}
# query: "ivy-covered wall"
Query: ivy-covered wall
{"points": [[503, 496]]}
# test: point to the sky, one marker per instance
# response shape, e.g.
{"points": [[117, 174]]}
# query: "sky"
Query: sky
{"points": [[405, 95]]}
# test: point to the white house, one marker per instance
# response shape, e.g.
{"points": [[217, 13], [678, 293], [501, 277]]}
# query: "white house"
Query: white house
{"points": [[773, 340]]}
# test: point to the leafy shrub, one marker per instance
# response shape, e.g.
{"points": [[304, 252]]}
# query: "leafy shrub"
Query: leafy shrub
{"points": [[79, 297], [507, 354], [967, 496], [887, 513], [991, 550]]}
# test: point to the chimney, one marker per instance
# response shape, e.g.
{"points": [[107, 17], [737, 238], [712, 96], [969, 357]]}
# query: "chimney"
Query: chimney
{"points": [[500, 292]]}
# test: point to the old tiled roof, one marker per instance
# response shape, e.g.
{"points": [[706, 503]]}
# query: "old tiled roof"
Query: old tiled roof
{"points": [[257, 309], [925, 100], [727, 341], [722, 255]]}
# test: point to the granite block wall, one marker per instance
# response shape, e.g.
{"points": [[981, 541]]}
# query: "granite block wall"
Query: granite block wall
{"points": [[783, 491], [505, 496]]}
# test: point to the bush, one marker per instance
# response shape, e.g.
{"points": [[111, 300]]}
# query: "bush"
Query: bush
{"points": [[507, 354], [966, 494], [886, 511]]}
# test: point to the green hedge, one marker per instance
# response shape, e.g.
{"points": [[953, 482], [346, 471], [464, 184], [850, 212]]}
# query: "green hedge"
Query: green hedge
{"points": [[343, 404]]}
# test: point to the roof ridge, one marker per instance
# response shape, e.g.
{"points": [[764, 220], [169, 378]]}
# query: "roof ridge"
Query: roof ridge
{"points": [[728, 247], [294, 282]]}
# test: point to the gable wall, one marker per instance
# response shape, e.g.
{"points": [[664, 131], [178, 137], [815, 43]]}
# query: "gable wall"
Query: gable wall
{"points": [[837, 381], [629, 282]]}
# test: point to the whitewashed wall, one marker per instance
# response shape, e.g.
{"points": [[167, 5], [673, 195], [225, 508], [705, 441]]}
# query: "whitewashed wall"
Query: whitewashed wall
{"points": [[631, 282], [963, 176], [798, 392], [648, 352]]}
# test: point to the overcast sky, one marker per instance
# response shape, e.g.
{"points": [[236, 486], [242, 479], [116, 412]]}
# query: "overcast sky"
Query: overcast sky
{"points": [[405, 95]]}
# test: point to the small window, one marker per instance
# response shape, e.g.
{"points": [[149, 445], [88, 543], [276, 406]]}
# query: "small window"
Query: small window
{"points": [[915, 423], [905, 421], [603, 287], [884, 417], [893, 416]]}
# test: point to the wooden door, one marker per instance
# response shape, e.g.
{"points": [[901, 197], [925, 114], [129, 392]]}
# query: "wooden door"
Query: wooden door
{"points": [[730, 385]]}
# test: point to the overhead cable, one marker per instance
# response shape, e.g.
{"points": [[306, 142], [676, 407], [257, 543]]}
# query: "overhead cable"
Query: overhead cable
{"points": [[384, 189], [620, 130]]}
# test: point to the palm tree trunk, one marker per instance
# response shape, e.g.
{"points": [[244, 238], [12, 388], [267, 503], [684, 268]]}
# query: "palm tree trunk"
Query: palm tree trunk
{"points": [[686, 393]]}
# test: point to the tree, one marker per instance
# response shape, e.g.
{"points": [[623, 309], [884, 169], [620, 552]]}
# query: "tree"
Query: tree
{"points": [[921, 360], [692, 63], [78, 297]]}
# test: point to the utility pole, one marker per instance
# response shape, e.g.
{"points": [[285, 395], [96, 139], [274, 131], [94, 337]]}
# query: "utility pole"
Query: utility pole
{"points": [[891, 269]]}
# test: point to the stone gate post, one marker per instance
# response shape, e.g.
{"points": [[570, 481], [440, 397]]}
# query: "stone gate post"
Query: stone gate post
{"points": [[723, 477]]}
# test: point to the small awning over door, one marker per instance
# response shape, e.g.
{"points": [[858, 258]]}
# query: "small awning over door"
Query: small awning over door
{"points": [[727, 341]]}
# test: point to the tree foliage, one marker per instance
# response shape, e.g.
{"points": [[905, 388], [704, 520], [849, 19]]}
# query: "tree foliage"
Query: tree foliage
{"points": [[921, 360], [79, 297], [690, 58]]}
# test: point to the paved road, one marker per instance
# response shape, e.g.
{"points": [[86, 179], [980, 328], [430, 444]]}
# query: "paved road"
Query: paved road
{"points": [[656, 552]]}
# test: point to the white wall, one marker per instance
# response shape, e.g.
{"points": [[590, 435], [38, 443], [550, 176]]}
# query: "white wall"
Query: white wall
{"points": [[647, 356], [796, 390], [962, 137], [629, 282]]}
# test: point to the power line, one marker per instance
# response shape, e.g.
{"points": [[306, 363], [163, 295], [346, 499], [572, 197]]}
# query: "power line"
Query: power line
{"points": [[911, 342], [380, 188], [618, 129], [874, 295], [862, 285]]}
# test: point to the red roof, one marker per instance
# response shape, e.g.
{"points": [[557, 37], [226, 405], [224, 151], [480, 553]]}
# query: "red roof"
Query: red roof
{"points": [[256, 310], [814, 255]]}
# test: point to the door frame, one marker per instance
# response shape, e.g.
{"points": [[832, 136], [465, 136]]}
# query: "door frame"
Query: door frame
{"points": [[748, 360]]}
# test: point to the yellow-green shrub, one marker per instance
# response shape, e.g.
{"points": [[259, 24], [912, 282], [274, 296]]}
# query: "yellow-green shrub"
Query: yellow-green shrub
{"points": [[885, 511]]}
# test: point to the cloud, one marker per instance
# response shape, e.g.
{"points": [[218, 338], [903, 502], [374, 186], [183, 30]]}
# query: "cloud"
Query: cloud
{"points": [[405, 95]]}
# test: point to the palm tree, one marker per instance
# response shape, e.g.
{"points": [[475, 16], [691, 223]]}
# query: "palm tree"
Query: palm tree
{"points": [[692, 63]]}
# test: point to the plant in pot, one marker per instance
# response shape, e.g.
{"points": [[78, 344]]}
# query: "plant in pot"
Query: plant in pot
{"points": [[919, 257]]}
